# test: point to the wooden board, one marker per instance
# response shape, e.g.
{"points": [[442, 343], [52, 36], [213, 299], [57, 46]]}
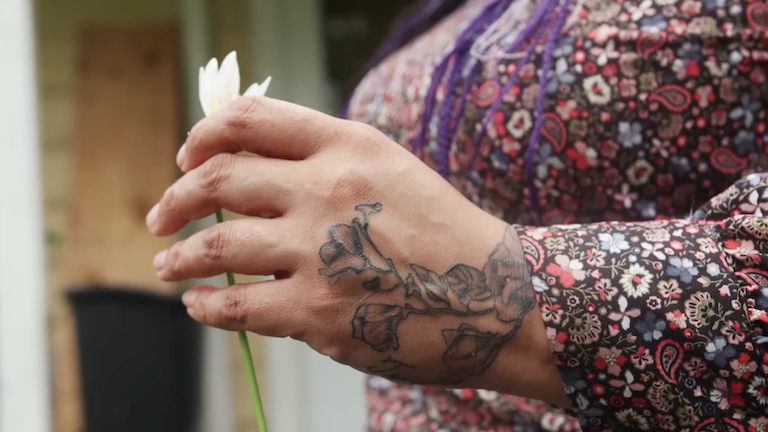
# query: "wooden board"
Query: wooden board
{"points": [[124, 153], [127, 123]]}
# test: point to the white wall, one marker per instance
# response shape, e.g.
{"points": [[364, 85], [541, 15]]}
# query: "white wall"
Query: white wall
{"points": [[24, 397]]}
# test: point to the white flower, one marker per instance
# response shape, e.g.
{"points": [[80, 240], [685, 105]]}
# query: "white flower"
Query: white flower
{"points": [[717, 70], [713, 269], [656, 249], [613, 243], [641, 10], [597, 90], [519, 123], [758, 388], [636, 281], [219, 86], [539, 285], [552, 421]]}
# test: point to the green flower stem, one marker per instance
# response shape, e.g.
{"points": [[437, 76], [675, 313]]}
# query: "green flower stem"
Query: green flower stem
{"points": [[245, 349]]}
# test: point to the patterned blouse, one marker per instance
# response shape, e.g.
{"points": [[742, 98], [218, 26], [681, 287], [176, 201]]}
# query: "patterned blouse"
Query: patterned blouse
{"points": [[653, 109]]}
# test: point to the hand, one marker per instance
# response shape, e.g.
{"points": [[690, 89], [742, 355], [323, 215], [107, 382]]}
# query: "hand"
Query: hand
{"points": [[380, 263]]}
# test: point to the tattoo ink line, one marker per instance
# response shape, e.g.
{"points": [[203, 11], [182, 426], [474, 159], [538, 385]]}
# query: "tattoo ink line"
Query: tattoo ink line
{"points": [[500, 291]]}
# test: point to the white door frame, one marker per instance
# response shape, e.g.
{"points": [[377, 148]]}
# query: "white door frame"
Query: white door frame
{"points": [[24, 377]]}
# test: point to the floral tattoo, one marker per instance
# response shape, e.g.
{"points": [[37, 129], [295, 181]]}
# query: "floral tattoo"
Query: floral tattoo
{"points": [[500, 290]]}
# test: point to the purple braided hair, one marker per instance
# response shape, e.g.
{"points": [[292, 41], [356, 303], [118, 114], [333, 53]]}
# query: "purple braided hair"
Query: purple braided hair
{"points": [[533, 142], [461, 48], [543, 10], [533, 29], [448, 119], [495, 106], [445, 128], [427, 14], [445, 138], [457, 60]]}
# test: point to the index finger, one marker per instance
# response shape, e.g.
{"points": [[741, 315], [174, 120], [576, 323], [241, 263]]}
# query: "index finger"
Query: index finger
{"points": [[260, 125]]}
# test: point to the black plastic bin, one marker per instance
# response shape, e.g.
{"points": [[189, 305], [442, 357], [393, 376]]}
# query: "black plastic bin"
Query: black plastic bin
{"points": [[139, 361]]}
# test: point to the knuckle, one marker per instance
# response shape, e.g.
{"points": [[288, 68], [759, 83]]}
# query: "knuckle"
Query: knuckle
{"points": [[193, 138], [234, 308], [366, 131], [364, 135], [215, 243], [241, 114], [168, 201], [335, 350], [215, 172], [175, 261], [292, 327], [329, 131], [341, 356], [297, 332], [348, 185]]}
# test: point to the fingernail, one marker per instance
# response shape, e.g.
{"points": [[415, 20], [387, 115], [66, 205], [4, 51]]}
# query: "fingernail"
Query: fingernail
{"points": [[181, 155], [189, 299], [159, 261], [152, 216]]}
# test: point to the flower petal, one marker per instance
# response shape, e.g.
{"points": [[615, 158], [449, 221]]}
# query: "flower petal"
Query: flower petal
{"points": [[228, 81], [265, 85], [257, 89], [207, 81], [202, 91], [252, 90]]}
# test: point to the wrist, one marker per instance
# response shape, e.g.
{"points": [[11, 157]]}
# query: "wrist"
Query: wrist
{"points": [[525, 365]]}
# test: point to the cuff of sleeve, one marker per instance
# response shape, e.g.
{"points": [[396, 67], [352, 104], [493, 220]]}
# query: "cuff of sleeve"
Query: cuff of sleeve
{"points": [[644, 318], [584, 401]]}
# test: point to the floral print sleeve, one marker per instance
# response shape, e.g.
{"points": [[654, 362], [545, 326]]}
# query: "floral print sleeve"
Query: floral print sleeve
{"points": [[661, 325]]}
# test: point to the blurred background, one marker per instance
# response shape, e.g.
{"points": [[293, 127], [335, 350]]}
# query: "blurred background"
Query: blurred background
{"points": [[96, 96]]}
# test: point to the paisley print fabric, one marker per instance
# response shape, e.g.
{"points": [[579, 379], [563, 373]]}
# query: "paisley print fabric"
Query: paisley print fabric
{"points": [[661, 325], [652, 108]]}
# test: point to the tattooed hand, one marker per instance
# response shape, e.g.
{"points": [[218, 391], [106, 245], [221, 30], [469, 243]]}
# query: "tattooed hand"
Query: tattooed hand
{"points": [[380, 263]]}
